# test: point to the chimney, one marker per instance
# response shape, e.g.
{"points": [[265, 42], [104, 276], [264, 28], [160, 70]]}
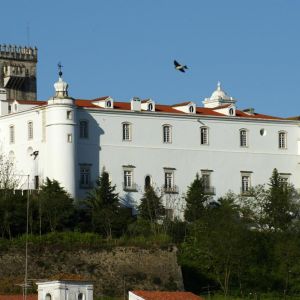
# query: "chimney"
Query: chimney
{"points": [[135, 104]]}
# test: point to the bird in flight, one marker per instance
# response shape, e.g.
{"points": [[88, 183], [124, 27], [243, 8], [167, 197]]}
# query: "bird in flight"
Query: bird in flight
{"points": [[180, 67]]}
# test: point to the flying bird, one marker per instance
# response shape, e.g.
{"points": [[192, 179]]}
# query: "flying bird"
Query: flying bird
{"points": [[180, 67]]}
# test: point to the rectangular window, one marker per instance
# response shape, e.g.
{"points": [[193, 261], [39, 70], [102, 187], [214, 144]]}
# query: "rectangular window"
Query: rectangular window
{"points": [[36, 182], [167, 134], [204, 136], [282, 140], [12, 134], [285, 178], [243, 138], [206, 178], [126, 127], [83, 129], [128, 179], [30, 130], [69, 115], [69, 138], [169, 186], [85, 176], [246, 182]]}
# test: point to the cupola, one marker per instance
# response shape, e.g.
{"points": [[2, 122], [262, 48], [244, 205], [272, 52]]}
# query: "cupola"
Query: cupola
{"points": [[218, 98], [61, 88]]}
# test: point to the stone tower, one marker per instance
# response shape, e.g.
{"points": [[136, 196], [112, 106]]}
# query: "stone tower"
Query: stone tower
{"points": [[18, 72]]}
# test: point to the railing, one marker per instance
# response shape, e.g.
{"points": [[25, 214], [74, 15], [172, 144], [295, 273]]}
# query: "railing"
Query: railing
{"points": [[132, 188], [171, 189], [209, 190], [245, 192]]}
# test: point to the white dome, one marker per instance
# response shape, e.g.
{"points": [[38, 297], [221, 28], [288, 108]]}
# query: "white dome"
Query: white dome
{"points": [[61, 88], [219, 94]]}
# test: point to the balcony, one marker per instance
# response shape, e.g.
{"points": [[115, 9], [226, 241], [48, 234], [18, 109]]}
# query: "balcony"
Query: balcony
{"points": [[170, 189], [244, 192], [209, 190], [130, 188]]}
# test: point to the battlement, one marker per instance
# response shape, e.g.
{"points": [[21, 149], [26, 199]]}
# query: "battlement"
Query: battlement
{"points": [[14, 52]]}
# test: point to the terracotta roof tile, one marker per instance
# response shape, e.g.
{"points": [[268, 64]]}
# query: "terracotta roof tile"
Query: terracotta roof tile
{"points": [[18, 297], [222, 106], [181, 104], [31, 102], [156, 295], [204, 111]]}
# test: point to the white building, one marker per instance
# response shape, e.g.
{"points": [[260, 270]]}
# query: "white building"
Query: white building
{"points": [[142, 142]]}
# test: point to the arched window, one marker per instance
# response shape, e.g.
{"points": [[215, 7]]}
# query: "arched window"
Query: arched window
{"points": [[83, 129], [30, 130], [11, 134], [147, 182], [150, 106], [204, 136], [108, 103], [282, 140], [191, 109], [48, 297], [167, 133], [126, 131], [80, 296], [243, 138]]}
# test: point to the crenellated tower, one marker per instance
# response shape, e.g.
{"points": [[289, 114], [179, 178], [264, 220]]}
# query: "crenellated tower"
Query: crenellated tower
{"points": [[18, 71]]}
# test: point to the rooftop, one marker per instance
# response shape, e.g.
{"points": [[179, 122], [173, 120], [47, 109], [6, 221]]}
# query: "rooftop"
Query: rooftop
{"points": [[156, 295]]}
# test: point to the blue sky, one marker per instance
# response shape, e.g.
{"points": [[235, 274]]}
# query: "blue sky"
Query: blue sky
{"points": [[125, 48]]}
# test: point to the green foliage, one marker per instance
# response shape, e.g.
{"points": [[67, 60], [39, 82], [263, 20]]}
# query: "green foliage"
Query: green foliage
{"points": [[107, 216], [281, 208], [56, 206], [196, 199], [151, 207]]}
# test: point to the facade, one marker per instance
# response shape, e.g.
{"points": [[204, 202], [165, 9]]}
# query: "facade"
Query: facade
{"points": [[142, 143]]}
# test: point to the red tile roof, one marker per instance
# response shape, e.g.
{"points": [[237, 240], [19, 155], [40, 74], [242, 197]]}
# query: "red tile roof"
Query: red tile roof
{"points": [[181, 104], [222, 106], [32, 102], [18, 297], [156, 295], [204, 111]]}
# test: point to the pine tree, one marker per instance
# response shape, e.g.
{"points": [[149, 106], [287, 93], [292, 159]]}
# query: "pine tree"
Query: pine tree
{"points": [[280, 207], [195, 200], [104, 207], [151, 207]]}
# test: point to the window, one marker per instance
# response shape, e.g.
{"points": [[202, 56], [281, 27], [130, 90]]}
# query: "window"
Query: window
{"points": [[167, 134], [231, 111], [30, 130], [126, 131], [128, 184], [191, 109], [243, 138], [284, 178], [83, 129], [80, 296], [9, 109], [36, 182], [85, 176], [150, 106], [246, 182], [206, 179], [11, 134], [48, 297], [204, 136], [282, 137], [147, 182], [169, 213], [69, 138], [169, 186], [69, 115], [108, 103]]}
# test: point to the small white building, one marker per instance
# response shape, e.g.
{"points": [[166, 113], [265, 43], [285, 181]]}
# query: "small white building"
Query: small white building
{"points": [[65, 290], [142, 143]]}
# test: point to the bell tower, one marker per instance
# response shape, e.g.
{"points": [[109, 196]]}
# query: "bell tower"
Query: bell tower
{"points": [[18, 72]]}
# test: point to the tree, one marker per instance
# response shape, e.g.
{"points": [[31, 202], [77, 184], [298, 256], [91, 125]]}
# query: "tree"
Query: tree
{"points": [[151, 207], [103, 205], [282, 205], [56, 206], [196, 199]]}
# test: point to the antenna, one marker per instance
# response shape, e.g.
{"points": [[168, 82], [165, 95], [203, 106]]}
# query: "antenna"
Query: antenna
{"points": [[59, 65]]}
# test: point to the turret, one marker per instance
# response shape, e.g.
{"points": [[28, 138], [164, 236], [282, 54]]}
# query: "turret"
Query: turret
{"points": [[60, 137]]}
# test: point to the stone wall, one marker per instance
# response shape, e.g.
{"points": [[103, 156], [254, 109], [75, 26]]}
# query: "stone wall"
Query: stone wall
{"points": [[112, 271]]}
